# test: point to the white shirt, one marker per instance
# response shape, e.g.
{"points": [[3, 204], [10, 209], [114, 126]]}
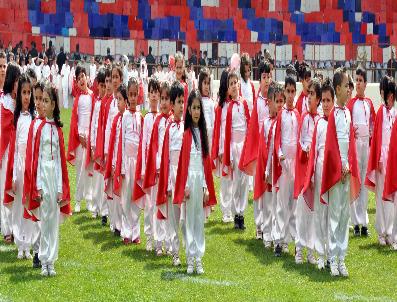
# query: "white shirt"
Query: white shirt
{"points": [[239, 122], [342, 124], [113, 110], [46, 71], [387, 125], [146, 135], [38, 70], [175, 136], [92, 72], [209, 112], [94, 122], [133, 74], [321, 135], [246, 93], [289, 130], [131, 132], [361, 117], [84, 109], [65, 71], [162, 126], [307, 130], [21, 138], [116, 142], [266, 133], [263, 110]]}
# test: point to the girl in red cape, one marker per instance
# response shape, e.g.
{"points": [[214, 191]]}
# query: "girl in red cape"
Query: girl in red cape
{"points": [[23, 115], [264, 195], [302, 102], [168, 168], [194, 184], [48, 189], [377, 161], [112, 176], [7, 105], [304, 215], [340, 183], [312, 183], [180, 75]]}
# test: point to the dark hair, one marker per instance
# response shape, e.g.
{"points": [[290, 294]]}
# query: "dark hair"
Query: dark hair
{"points": [[123, 91], [360, 71], [317, 87], [12, 75], [3, 55], [264, 67], [132, 81], [351, 83], [31, 73], [327, 86], [23, 79], [389, 87], [271, 91], [204, 73], [232, 74], [289, 81], [195, 94], [80, 69], [154, 84], [383, 82], [177, 90], [39, 85], [101, 75], [119, 69], [223, 88], [165, 86], [108, 72], [53, 94], [245, 60], [278, 89], [306, 73], [338, 77]]}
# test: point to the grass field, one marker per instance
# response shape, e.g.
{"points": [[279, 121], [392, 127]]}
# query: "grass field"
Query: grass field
{"points": [[94, 265]]}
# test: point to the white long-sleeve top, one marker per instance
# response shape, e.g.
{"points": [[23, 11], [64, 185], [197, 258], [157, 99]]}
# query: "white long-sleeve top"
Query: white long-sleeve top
{"points": [[266, 132], [146, 135], [46, 71], [361, 118], [246, 93], [116, 142], [65, 71], [263, 109], [84, 114], [387, 125], [131, 132], [113, 110], [195, 157], [175, 136], [92, 72], [49, 150], [94, 122], [162, 126], [307, 130], [54, 71], [223, 126], [342, 124], [289, 130], [321, 135], [209, 112], [21, 138]]}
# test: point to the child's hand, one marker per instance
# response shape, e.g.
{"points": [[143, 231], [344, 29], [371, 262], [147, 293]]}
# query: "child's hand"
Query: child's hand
{"points": [[282, 158], [169, 194], [206, 196], [59, 200], [83, 141], [14, 187], [187, 194]]}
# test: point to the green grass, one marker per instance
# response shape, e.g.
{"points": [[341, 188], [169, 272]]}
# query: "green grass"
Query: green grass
{"points": [[94, 265]]}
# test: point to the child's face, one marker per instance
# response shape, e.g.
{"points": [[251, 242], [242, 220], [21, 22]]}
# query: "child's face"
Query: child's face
{"points": [[14, 91], [266, 79], [360, 85], [247, 72], [48, 106], [38, 102], [116, 79], [25, 96], [154, 96], [120, 102], [342, 91], [290, 92], [165, 102], [313, 101], [327, 102], [306, 82], [195, 111], [279, 100], [177, 107], [272, 107], [390, 100], [179, 70], [101, 89], [82, 80], [3, 68], [233, 87], [109, 86], [133, 96], [206, 86]]}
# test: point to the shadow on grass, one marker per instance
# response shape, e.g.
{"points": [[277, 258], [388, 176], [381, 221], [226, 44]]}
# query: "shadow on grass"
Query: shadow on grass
{"points": [[104, 238], [92, 226], [376, 246], [140, 254], [22, 273], [82, 218], [256, 248], [214, 222], [227, 229]]}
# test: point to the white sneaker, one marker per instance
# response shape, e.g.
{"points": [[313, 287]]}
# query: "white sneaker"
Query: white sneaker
{"points": [[285, 248], [310, 257], [259, 234], [149, 244], [44, 270], [159, 252], [394, 246], [382, 241], [226, 219], [320, 263], [94, 215], [343, 269], [190, 266], [199, 266], [51, 270], [20, 254], [175, 260], [389, 241], [334, 268], [298, 257], [77, 208], [28, 255], [268, 244]]}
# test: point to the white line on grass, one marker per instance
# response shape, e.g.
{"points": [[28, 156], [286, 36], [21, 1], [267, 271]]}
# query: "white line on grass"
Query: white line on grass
{"points": [[346, 297], [7, 248], [183, 277]]}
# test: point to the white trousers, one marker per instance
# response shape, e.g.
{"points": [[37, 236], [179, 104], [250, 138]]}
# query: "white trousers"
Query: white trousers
{"points": [[195, 241], [320, 233], [384, 209], [99, 204], [338, 215], [115, 211], [239, 181], [6, 212], [304, 225], [65, 95], [130, 227], [83, 181], [49, 215], [394, 232], [226, 196], [358, 209], [265, 203]]}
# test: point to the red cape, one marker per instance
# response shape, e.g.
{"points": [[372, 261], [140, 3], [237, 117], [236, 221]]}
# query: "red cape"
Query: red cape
{"points": [[301, 161], [228, 135], [260, 184], [8, 193], [7, 129], [137, 192], [99, 140], [277, 169], [109, 161], [390, 186], [375, 151], [350, 106], [249, 154], [32, 161], [332, 167], [216, 137], [150, 173], [299, 102], [74, 141], [183, 166], [141, 94]]}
